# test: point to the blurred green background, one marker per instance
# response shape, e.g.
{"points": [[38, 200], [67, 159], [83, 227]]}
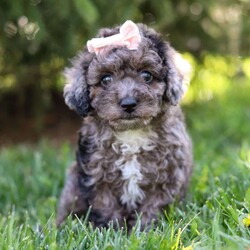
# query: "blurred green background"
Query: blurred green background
{"points": [[37, 40], [38, 37]]}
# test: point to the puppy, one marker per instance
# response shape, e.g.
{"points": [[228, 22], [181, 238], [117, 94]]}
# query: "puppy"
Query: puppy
{"points": [[134, 155]]}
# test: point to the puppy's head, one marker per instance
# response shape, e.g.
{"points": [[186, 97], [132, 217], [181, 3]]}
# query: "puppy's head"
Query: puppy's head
{"points": [[127, 88]]}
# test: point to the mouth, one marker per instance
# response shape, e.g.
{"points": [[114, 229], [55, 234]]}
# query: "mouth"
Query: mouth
{"points": [[130, 118], [131, 122]]}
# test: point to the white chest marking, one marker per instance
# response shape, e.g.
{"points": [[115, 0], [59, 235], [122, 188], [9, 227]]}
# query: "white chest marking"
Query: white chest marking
{"points": [[129, 144]]}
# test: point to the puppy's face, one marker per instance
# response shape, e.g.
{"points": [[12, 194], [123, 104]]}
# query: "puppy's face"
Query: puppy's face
{"points": [[126, 88]]}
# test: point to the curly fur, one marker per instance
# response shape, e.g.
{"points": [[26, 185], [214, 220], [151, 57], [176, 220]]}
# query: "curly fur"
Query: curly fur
{"points": [[127, 162]]}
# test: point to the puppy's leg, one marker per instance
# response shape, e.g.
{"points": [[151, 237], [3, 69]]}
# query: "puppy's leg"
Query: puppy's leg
{"points": [[72, 200], [150, 210], [146, 218]]}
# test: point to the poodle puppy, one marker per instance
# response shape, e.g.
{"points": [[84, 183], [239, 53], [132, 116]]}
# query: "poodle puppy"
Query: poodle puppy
{"points": [[134, 155]]}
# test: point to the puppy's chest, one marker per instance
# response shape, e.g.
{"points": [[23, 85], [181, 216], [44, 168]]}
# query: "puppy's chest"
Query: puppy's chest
{"points": [[129, 146]]}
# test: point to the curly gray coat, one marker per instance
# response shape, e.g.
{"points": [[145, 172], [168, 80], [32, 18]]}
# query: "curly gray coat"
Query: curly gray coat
{"points": [[134, 154]]}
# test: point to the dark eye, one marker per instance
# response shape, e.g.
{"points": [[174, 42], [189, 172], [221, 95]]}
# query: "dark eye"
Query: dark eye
{"points": [[106, 79], [146, 76]]}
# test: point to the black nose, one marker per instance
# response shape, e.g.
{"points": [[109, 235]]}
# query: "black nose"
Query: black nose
{"points": [[128, 104]]}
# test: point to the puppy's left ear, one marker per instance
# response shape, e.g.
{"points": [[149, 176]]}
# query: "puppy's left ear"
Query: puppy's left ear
{"points": [[178, 76]]}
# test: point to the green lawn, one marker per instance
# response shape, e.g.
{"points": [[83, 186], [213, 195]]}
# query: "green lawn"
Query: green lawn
{"points": [[211, 218]]}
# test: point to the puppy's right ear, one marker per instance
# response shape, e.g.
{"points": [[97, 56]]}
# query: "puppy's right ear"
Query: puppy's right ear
{"points": [[76, 93]]}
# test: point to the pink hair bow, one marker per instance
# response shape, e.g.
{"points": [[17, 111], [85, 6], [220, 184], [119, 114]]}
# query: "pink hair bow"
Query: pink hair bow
{"points": [[129, 36]]}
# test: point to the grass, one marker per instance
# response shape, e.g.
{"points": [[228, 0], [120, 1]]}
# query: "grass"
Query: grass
{"points": [[211, 218]]}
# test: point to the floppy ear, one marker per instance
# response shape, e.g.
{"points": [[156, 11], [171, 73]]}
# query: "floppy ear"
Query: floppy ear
{"points": [[76, 92], [178, 76]]}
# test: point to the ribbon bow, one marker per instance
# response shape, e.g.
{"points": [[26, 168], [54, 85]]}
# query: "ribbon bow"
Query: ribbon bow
{"points": [[129, 36]]}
